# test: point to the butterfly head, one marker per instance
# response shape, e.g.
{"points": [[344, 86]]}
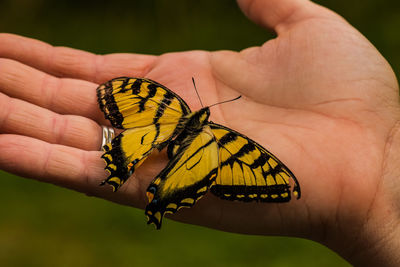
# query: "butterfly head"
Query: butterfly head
{"points": [[196, 120], [203, 115]]}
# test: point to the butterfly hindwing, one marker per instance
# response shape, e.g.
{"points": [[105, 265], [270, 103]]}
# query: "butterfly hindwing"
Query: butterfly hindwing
{"points": [[186, 178], [129, 149], [149, 111], [248, 172]]}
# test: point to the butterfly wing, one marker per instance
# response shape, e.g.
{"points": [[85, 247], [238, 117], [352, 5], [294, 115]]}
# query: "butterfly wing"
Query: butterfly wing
{"points": [[248, 172], [186, 178], [128, 150], [151, 113], [136, 102]]}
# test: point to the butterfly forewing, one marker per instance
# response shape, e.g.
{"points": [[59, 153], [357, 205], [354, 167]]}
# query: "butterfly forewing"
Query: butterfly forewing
{"points": [[136, 102], [248, 172]]}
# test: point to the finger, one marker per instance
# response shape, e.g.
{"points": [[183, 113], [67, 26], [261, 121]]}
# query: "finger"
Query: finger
{"points": [[73, 63], [281, 15], [20, 117], [61, 95], [61, 165]]}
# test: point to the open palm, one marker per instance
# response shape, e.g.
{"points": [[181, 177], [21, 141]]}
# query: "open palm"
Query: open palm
{"points": [[319, 96]]}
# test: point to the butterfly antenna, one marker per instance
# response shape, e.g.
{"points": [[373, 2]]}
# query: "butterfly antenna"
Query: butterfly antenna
{"points": [[226, 101], [194, 84]]}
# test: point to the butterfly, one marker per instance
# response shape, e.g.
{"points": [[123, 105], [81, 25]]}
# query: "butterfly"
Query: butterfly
{"points": [[203, 156]]}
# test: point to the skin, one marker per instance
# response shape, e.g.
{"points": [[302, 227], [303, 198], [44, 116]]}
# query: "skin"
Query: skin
{"points": [[319, 96]]}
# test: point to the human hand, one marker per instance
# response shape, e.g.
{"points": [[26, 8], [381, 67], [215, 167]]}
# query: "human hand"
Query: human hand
{"points": [[319, 96]]}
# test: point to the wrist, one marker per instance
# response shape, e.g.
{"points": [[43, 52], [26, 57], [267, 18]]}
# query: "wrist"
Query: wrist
{"points": [[377, 241]]}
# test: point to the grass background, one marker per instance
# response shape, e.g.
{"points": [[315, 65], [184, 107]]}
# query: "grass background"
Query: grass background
{"points": [[43, 225]]}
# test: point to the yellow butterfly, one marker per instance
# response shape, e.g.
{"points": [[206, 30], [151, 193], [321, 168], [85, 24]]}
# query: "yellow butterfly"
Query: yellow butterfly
{"points": [[203, 155]]}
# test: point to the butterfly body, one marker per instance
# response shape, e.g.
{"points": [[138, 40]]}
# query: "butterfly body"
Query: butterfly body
{"points": [[204, 156]]}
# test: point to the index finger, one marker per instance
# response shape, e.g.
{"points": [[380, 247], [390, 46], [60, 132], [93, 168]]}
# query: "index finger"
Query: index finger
{"points": [[73, 63]]}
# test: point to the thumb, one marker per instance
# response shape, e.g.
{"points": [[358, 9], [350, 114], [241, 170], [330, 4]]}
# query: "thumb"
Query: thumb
{"points": [[281, 15]]}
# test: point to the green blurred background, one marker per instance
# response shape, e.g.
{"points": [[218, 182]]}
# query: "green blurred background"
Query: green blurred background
{"points": [[43, 225]]}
